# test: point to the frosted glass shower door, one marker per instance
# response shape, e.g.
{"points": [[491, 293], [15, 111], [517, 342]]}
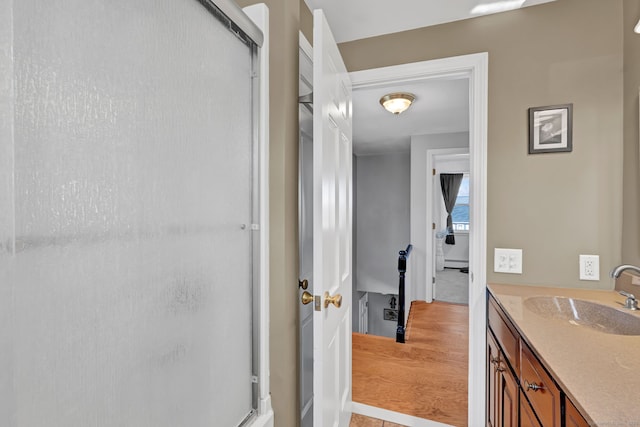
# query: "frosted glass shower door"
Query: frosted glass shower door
{"points": [[126, 204]]}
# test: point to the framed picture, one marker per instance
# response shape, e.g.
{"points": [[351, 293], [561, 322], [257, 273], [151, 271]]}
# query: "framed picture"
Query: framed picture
{"points": [[550, 128], [390, 314]]}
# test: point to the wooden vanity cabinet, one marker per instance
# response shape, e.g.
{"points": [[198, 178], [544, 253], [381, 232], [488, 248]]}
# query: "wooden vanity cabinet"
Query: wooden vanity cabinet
{"points": [[572, 416], [520, 392], [527, 416], [502, 388], [493, 394]]}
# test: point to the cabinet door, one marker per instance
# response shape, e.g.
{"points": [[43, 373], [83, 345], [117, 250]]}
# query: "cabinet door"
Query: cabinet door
{"points": [[493, 395], [508, 396], [527, 416], [572, 416]]}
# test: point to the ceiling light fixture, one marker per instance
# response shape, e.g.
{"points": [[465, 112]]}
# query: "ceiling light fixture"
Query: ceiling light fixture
{"points": [[397, 102], [496, 6], [637, 29]]}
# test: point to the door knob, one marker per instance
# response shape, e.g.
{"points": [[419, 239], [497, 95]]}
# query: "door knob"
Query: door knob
{"points": [[304, 284], [335, 300], [306, 298]]}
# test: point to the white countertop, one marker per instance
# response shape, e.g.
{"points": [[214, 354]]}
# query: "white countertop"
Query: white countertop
{"points": [[599, 372]]}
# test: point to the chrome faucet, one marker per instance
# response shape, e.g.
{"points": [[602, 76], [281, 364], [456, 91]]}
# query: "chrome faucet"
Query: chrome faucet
{"points": [[631, 303], [616, 272]]}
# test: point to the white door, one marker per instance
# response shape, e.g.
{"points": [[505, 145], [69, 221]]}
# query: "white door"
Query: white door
{"points": [[332, 193]]}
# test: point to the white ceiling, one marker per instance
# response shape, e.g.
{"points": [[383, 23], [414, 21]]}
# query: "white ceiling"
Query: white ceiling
{"points": [[441, 106], [358, 19]]}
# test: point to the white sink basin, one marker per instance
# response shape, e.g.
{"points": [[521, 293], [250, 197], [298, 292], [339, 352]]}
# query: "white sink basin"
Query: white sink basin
{"points": [[586, 314]]}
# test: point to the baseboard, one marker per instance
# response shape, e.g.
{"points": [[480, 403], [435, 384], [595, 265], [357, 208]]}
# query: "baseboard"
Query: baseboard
{"points": [[394, 417]]}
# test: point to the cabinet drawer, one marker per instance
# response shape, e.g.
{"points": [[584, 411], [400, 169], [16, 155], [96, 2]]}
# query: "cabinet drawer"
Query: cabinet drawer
{"points": [[539, 389], [507, 338]]}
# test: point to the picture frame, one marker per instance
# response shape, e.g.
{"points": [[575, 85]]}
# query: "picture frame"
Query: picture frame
{"points": [[551, 129], [390, 314]]}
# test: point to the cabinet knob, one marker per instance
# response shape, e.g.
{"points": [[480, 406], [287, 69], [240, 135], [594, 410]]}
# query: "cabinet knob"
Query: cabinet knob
{"points": [[533, 386]]}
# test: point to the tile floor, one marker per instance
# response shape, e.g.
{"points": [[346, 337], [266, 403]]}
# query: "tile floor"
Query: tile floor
{"points": [[358, 420]]}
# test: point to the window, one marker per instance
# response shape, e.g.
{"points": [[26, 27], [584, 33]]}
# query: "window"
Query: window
{"points": [[460, 213]]}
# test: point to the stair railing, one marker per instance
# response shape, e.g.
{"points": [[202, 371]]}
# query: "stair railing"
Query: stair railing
{"points": [[402, 269]]}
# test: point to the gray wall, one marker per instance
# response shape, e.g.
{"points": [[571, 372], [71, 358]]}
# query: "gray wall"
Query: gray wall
{"points": [[381, 219], [355, 298], [377, 324]]}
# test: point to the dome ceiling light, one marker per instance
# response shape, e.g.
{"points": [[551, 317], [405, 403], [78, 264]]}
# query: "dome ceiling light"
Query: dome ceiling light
{"points": [[398, 102]]}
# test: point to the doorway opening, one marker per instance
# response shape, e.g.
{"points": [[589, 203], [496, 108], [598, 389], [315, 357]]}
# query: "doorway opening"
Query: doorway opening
{"points": [[449, 257], [473, 68]]}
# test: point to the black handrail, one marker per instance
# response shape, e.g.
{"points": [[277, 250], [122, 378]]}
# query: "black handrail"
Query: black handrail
{"points": [[402, 269]]}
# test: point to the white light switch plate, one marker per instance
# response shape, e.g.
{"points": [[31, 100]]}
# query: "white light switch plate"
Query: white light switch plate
{"points": [[507, 261]]}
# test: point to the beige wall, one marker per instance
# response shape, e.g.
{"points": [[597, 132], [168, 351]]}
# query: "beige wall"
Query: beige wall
{"points": [[631, 204], [306, 21], [553, 206], [283, 134]]}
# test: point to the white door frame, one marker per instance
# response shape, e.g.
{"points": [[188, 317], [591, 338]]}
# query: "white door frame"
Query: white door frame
{"points": [[475, 68], [429, 240]]}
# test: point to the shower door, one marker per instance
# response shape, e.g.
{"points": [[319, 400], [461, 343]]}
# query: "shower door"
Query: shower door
{"points": [[127, 206]]}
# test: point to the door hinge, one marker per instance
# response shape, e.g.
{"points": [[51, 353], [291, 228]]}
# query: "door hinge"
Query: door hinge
{"points": [[433, 225], [433, 280], [434, 172]]}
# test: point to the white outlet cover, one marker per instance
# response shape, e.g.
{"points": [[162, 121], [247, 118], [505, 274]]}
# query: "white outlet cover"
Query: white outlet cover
{"points": [[590, 267], [507, 261]]}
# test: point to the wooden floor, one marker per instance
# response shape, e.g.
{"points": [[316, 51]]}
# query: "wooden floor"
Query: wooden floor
{"points": [[427, 376], [358, 420]]}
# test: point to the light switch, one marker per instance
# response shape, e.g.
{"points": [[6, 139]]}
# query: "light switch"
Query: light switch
{"points": [[507, 261]]}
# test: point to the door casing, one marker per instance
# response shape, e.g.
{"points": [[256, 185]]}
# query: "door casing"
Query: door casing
{"points": [[475, 68]]}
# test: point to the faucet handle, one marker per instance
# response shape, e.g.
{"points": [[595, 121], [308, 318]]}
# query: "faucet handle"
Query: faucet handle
{"points": [[631, 303]]}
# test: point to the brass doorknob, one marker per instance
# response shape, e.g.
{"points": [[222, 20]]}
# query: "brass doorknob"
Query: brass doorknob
{"points": [[304, 284], [306, 298], [335, 300]]}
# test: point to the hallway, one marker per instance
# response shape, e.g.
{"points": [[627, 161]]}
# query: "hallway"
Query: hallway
{"points": [[427, 376]]}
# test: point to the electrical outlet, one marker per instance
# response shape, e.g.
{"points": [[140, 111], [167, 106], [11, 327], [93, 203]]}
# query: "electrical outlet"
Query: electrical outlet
{"points": [[507, 261], [589, 267]]}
